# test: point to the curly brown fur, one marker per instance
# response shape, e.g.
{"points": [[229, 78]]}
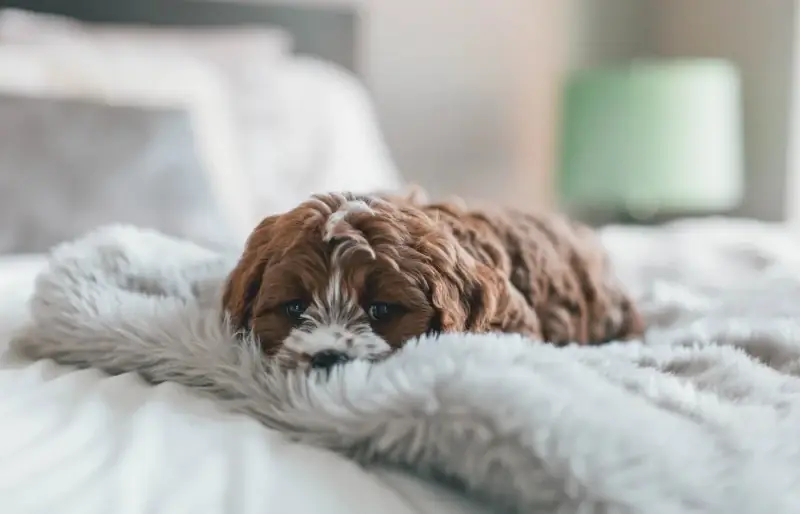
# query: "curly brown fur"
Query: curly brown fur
{"points": [[362, 275], [558, 267]]}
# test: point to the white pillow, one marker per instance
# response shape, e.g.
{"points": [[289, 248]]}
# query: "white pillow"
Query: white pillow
{"points": [[85, 146]]}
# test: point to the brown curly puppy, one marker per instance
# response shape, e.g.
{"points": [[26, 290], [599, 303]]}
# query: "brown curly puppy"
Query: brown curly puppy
{"points": [[355, 276]]}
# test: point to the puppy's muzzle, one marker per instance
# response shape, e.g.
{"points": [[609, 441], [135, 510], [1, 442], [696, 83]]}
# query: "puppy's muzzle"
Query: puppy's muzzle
{"points": [[327, 359]]}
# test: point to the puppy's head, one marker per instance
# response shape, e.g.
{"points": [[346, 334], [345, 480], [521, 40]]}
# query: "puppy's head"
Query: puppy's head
{"points": [[346, 276]]}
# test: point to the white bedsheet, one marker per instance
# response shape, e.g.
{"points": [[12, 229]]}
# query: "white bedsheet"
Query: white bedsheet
{"points": [[81, 442], [17, 274]]}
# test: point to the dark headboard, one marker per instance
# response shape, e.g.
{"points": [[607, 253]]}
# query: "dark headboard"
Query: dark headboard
{"points": [[329, 32]]}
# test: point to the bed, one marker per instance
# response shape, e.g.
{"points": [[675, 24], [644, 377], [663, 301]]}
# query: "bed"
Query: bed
{"points": [[702, 412]]}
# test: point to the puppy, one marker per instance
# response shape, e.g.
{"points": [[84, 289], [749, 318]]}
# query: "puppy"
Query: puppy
{"points": [[347, 276]]}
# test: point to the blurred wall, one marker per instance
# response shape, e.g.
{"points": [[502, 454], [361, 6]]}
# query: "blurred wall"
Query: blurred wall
{"points": [[449, 78], [600, 32]]}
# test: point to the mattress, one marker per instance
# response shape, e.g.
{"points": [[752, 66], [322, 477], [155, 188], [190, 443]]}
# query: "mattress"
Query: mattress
{"points": [[78, 441]]}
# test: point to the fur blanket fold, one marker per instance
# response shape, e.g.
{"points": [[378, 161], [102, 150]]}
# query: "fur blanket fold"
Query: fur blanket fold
{"points": [[700, 417]]}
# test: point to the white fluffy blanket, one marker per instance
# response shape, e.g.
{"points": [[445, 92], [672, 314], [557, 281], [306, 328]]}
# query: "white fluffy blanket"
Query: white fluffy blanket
{"points": [[702, 416]]}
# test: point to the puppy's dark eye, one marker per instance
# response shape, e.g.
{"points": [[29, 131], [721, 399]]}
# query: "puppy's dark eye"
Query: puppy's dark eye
{"points": [[380, 311], [295, 309]]}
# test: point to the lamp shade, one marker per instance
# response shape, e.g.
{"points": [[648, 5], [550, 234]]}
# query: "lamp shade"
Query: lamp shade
{"points": [[653, 136]]}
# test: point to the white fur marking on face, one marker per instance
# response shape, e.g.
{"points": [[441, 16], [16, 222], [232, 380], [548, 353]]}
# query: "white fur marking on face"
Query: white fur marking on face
{"points": [[336, 322], [340, 216], [334, 337], [337, 307]]}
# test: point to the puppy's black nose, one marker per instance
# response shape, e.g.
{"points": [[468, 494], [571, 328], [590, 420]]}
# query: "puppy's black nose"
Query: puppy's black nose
{"points": [[328, 359]]}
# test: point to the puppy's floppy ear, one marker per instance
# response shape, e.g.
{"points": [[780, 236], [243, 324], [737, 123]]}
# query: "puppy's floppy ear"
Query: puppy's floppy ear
{"points": [[484, 289], [495, 305], [472, 297], [244, 281], [444, 271]]}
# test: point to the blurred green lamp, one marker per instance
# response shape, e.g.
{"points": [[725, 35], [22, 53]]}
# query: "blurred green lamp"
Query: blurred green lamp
{"points": [[652, 138]]}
